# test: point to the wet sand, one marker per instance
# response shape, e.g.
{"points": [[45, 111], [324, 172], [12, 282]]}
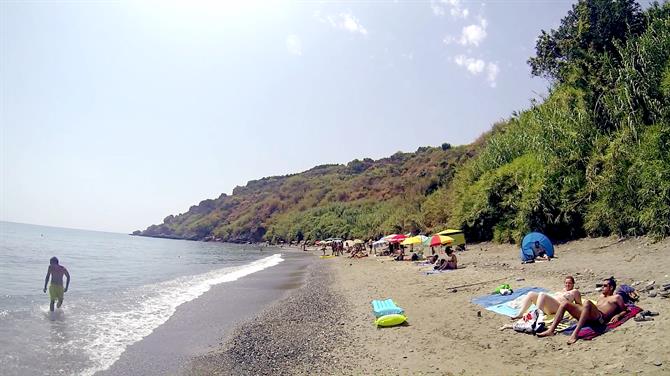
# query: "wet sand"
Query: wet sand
{"points": [[204, 323]]}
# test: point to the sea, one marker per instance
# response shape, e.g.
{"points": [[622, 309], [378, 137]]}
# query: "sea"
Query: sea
{"points": [[122, 288]]}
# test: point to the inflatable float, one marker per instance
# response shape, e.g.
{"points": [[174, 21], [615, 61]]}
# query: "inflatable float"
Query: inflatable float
{"points": [[391, 320]]}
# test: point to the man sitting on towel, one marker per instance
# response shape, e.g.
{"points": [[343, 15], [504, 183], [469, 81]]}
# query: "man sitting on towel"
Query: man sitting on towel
{"points": [[609, 309]]}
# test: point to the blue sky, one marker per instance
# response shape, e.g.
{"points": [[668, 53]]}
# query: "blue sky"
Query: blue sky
{"points": [[115, 114]]}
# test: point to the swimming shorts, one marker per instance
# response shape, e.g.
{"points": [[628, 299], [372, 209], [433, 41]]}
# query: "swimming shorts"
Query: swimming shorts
{"points": [[599, 324], [56, 292]]}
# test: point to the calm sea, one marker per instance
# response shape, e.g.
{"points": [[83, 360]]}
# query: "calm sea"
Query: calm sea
{"points": [[122, 288]]}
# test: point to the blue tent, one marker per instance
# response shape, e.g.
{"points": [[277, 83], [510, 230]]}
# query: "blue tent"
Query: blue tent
{"points": [[528, 243]]}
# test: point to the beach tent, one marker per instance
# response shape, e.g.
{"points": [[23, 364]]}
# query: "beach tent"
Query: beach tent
{"points": [[528, 242]]}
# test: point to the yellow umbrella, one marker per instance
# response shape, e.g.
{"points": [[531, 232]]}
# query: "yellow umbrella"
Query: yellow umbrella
{"points": [[358, 241], [457, 235], [413, 240], [449, 231]]}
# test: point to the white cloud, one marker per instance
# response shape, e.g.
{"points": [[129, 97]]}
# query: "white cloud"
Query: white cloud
{"points": [[492, 71], [477, 66], [293, 45], [474, 66], [438, 10], [343, 21], [454, 6], [473, 34]]}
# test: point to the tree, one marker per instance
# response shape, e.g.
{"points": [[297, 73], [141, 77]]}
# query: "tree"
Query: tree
{"points": [[592, 27]]}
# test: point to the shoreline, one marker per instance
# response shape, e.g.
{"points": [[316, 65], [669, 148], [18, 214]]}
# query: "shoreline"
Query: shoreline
{"points": [[202, 324], [324, 323], [295, 335]]}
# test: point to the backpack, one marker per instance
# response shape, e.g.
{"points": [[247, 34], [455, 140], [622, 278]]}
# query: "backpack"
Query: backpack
{"points": [[627, 293], [531, 323]]}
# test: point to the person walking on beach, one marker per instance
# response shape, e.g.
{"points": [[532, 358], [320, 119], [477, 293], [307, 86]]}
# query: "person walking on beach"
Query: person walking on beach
{"points": [[56, 289]]}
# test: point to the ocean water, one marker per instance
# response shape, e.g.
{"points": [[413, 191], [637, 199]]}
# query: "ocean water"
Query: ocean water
{"points": [[122, 288]]}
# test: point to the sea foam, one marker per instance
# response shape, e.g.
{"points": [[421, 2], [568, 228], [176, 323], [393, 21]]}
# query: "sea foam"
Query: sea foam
{"points": [[109, 333]]}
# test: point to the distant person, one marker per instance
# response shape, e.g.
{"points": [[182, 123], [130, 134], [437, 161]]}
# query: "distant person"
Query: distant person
{"points": [[610, 308], [452, 261], [549, 303], [540, 252], [56, 290]]}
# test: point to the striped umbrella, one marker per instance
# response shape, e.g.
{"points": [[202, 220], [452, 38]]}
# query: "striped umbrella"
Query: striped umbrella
{"points": [[437, 240]]}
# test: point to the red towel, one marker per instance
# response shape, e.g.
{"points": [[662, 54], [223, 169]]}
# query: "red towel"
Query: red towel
{"points": [[588, 332]]}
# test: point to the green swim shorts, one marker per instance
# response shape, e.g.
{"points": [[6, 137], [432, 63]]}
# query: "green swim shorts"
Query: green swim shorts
{"points": [[56, 292]]}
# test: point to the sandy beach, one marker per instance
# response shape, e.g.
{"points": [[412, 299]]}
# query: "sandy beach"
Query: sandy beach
{"points": [[326, 326], [446, 335]]}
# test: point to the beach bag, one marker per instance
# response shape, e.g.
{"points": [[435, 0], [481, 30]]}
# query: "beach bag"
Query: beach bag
{"points": [[628, 294], [531, 323]]}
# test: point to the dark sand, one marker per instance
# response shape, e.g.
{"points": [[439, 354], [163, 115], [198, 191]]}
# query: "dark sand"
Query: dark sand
{"points": [[202, 324], [298, 335]]}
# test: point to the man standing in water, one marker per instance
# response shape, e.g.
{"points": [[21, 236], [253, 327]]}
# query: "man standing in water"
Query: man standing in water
{"points": [[56, 289]]}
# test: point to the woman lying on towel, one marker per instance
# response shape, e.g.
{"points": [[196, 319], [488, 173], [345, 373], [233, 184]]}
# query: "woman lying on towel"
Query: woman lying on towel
{"points": [[549, 303]]}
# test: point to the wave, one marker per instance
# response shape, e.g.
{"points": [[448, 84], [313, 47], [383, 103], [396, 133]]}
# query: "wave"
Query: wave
{"points": [[106, 334]]}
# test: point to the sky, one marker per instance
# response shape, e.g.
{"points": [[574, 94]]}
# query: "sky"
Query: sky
{"points": [[115, 114]]}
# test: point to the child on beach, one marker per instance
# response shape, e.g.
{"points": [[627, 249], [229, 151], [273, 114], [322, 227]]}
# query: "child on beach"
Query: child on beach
{"points": [[56, 290]]}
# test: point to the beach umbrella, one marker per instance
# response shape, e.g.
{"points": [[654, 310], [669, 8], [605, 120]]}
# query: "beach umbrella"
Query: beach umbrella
{"points": [[437, 240], [380, 242], [397, 238], [413, 240], [449, 231]]}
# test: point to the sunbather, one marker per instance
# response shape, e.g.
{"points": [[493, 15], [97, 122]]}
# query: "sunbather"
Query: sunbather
{"points": [[549, 303], [609, 309], [450, 262]]}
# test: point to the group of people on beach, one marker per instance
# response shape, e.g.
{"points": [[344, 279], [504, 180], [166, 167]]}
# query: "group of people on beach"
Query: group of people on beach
{"points": [[609, 308]]}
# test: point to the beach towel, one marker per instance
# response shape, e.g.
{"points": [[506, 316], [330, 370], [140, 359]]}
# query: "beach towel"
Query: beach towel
{"points": [[589, 333], [507, 309], [566, 323], [493, 300], [385, 307]]}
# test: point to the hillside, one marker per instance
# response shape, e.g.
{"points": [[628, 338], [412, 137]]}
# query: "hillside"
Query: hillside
{"points": [[593, 158], [360, 199]]}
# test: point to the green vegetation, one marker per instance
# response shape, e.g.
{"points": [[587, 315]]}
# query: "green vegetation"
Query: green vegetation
{"points": [[593, 158]]}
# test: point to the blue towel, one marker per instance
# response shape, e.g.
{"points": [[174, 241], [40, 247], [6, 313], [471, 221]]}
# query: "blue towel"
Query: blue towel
{"points": [[385, 307], [492, 300], [506, 310]]}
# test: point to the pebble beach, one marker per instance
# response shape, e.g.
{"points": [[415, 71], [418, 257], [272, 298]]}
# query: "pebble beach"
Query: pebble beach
{"points": [[326, 325]]}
